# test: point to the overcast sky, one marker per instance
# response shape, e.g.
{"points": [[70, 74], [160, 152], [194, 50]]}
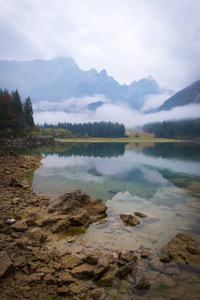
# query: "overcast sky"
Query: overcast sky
{"points": [[131, 39]]}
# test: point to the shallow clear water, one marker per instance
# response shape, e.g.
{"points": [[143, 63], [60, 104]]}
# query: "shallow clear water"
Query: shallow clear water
{"points": [[162, 180]]}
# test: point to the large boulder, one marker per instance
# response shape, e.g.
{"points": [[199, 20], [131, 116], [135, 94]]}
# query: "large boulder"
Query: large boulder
{"points": [[182, 248], [69, 201]]}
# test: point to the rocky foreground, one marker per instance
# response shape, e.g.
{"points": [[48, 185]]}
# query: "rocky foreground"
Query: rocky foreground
{"points": [[30, 268]]}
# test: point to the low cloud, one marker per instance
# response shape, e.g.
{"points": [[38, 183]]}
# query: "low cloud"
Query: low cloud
{"points": [[72, 105], [155, 101], [117, 113]]}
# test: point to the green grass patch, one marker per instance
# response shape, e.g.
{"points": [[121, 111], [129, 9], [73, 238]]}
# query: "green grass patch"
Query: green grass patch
{"points": [[163, 286]]}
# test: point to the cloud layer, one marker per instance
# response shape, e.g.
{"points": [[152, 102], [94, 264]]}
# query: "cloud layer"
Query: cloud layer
{"points": [[117, 113]]}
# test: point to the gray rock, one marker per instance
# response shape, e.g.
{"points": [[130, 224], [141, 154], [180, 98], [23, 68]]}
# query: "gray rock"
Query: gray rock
{"points": [[5, 264]]}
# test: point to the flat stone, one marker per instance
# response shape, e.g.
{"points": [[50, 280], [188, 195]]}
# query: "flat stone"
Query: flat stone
{"points": [[84, 271], [71, 261], [5, 264], [66, 278], [127, 256], [50, 279], [63, 291], [140, 214]]}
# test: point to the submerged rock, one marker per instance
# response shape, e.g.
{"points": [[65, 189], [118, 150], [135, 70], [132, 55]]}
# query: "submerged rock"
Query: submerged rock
{"points": [[127, 269], [143, 284], [182, 248], [140, 214], [145, 253], [129, 220], [127, 256]]}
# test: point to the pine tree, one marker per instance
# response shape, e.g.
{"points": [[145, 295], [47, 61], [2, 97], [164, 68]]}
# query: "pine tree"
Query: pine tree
{"points": [[28, 114], [18, 110]]}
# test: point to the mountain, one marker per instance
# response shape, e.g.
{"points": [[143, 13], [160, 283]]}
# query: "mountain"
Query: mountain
{"points": [[61, 79], [190, 94]]}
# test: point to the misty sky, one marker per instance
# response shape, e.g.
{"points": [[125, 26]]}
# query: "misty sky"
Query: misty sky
{"points": [[131, 39]]}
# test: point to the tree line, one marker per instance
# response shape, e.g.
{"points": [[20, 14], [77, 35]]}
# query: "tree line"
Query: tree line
{"points": [[86, 130], [174, 129], [15, 116]]}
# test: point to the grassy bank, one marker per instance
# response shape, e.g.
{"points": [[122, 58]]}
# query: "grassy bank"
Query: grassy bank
{"points": [[133, 136]]}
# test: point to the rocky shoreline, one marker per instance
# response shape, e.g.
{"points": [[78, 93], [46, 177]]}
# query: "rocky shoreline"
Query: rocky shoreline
{"points": [[31, 268]]}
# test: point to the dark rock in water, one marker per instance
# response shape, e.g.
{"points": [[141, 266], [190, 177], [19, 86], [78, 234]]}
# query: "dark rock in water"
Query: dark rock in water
{"points": [[122, 272], [129, 220], [145, 253], [108, 277], [114, 191], [103, 265], [182, 248], [127, 256], [140, 214], [92, 259], [143, 284]]}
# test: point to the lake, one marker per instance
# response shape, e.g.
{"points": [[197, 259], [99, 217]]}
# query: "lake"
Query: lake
{"points": [[161, 180]]}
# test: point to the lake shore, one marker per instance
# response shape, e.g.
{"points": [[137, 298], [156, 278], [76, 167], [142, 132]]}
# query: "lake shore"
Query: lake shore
{"points": [[32, 268]]}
